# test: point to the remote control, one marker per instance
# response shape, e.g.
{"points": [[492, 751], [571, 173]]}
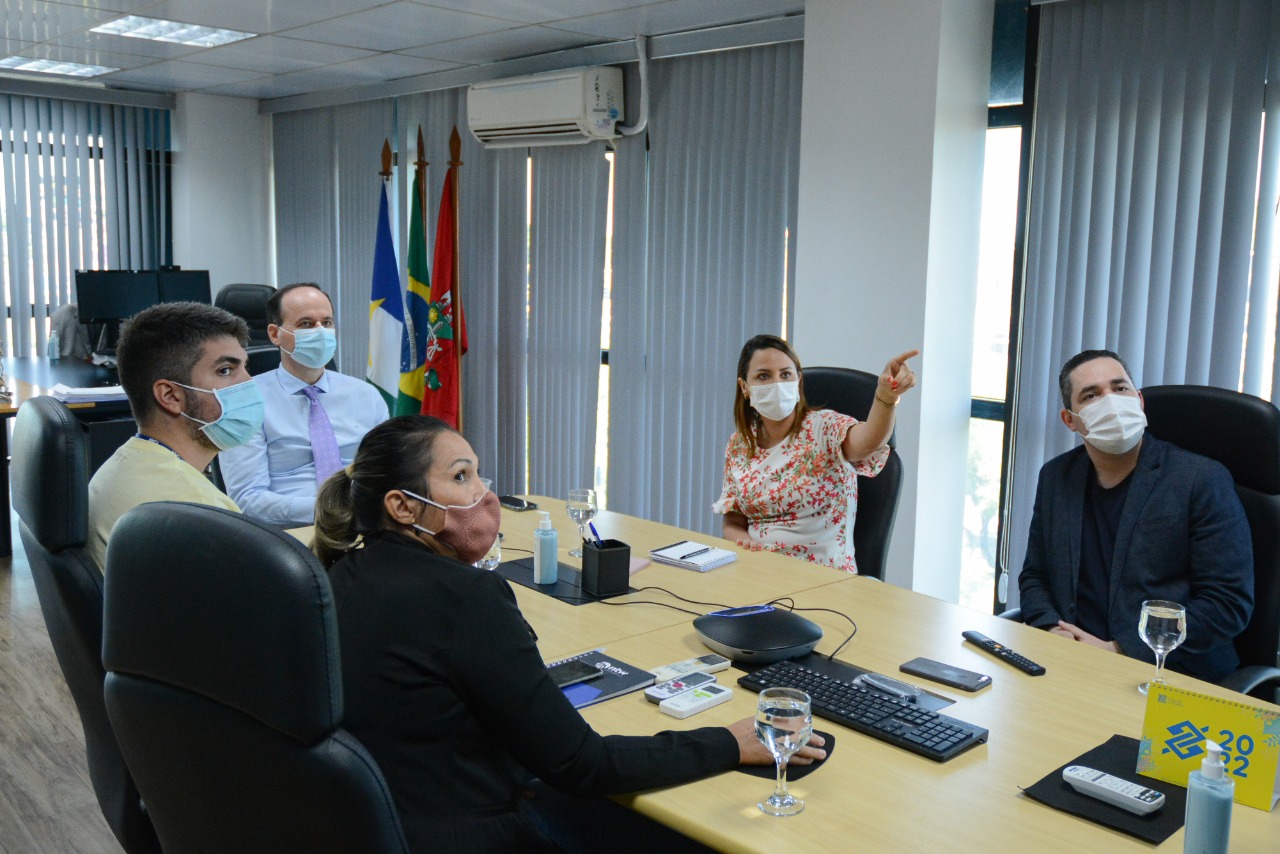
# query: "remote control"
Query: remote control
{"points": [[698, 700], [1003, 653], [675, 687], [710, 663], [1113, 790]]}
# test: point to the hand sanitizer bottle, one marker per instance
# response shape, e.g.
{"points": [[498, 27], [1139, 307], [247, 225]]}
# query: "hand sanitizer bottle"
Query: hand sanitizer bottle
{"points": [[54, 347], [1209, 795], [545, 541]]}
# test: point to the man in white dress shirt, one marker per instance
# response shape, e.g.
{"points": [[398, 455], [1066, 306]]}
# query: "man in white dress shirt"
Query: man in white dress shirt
{"points": [[315, 418]]}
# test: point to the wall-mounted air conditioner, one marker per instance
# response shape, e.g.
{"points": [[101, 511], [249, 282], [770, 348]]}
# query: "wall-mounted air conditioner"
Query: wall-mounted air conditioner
{"points": [[558, 108]]}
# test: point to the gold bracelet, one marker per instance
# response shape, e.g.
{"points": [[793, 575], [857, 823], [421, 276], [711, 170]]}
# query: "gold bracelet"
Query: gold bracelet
{"points": [[880, 401]]}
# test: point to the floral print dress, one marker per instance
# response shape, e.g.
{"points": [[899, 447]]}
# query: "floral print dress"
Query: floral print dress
{"points": [[801, 495]]}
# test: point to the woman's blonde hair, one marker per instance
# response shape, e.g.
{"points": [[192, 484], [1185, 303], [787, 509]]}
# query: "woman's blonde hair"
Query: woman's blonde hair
{"points": [[396, 454], [744, 414]]}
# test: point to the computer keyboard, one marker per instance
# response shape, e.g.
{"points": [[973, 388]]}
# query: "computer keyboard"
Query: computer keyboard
{"points": [[869, 711]]}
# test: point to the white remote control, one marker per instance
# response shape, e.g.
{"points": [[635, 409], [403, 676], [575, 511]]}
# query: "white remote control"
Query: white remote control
{"points": [[699, 699], [676, 687], [1113, 790], [710, 663]]}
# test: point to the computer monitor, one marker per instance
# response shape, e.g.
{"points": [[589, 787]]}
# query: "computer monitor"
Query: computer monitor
{"points": [[106, 296], [185, 286]]}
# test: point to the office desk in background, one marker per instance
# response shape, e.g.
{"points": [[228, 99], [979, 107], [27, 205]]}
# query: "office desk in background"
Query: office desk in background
{"points": [[870, 796], [108, 424]]}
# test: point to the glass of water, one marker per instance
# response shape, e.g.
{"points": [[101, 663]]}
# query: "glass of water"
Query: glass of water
{"points": [[1163, 627], [582, 509], [784, 722]]}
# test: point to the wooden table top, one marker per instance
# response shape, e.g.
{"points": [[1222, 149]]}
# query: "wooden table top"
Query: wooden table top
{"points": [[876, 797]]}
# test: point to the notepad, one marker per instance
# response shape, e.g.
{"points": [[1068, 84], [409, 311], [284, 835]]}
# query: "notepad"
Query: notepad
{"points": [[690, 555], [619, 678]]}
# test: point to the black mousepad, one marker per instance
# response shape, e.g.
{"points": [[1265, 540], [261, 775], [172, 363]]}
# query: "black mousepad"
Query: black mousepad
{"points": [[568, 586], [1117, 757], [794, 772]]}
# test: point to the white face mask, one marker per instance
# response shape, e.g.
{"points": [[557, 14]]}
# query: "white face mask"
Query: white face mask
{"points": [[775, 401], [1115, 423]]}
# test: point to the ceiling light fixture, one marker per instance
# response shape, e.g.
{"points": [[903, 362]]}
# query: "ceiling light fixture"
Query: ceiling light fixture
{"points": [[138, 27], [49, 66]]}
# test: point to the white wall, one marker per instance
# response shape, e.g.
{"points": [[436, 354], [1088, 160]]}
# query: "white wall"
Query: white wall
{"points": [[222, 189], [892, 135]]}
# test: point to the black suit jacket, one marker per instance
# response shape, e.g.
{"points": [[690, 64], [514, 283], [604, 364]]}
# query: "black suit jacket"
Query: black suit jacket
{"points": [[1183, 536]]}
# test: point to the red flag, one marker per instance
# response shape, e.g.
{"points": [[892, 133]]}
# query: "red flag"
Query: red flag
{"points": [[446, 328]]}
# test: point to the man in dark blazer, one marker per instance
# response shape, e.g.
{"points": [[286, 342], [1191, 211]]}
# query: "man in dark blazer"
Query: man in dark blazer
{"points": [[1128, 517]]}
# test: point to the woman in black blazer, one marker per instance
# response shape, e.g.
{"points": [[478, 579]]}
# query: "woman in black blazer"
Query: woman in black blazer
{"points": [[443, 681]]}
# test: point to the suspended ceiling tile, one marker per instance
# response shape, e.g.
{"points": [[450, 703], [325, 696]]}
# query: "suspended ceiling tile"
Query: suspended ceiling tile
{"points": [[400, 25], [86, 56], [278, 55], [534, 11], [112, 43], [178, 75], [676, 16], [256, 16], [29, 21], [508, 44]]}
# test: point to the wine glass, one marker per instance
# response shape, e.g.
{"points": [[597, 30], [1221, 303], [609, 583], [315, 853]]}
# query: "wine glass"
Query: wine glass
{"points": [[1162, 626], [784, 722], [582, 509]]}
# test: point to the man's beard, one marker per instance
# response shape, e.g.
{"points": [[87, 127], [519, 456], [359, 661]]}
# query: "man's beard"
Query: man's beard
{"points": [[207, 408]]}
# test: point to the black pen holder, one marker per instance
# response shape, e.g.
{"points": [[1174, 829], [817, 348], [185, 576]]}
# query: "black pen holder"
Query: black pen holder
{"points": [[606, 567]]}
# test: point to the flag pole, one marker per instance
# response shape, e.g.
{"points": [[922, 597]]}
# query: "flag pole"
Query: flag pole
{"points": [[455, 161], [386, 160]]}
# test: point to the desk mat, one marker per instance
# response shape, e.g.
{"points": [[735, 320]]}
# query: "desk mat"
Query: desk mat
{"points": [[794, 772], [568, 586], [1117, 757]]}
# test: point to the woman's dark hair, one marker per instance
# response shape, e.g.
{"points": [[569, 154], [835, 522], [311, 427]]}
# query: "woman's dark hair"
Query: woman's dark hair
{"points": [[744, 414], [396, 454]]}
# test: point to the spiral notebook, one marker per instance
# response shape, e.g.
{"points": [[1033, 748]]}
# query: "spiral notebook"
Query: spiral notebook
{"points": [[690, 555], [619, 678]]}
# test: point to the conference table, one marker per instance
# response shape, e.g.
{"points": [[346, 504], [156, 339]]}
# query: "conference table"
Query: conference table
{"points": [[869, 796], [26, 378]]}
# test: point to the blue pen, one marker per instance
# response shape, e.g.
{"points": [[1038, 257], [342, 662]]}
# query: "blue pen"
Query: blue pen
{"points": [[595, 533]]}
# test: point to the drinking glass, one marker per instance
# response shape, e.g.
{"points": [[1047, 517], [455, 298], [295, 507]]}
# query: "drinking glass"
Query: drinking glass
{"points": [[582, 509], [491, 558], [784, 722], [1162, 626]]}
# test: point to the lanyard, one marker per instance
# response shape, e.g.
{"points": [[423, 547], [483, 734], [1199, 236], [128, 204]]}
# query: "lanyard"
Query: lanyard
{"points": [[141, 435]]}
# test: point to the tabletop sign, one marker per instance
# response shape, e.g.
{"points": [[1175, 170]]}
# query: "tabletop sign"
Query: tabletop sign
{"points": [[1176, 725]]}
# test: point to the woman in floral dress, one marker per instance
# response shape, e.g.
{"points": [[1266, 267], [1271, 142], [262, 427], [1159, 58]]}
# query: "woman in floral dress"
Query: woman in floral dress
{"points": [[790, 472]]}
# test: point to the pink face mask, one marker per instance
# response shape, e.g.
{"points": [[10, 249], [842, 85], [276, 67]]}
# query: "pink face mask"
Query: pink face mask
{"points": [[469, 530]]}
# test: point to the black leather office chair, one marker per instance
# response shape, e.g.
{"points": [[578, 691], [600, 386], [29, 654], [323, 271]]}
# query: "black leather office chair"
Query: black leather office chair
{"points": [[1243, 433], [851, 392], [249, 302], [224, 683], [50, 481]]}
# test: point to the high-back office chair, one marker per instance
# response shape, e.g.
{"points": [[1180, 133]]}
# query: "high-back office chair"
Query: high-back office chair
{"points": [[1243, 433], [852, 392], [224, 684], [250, 303], [50, 481]]}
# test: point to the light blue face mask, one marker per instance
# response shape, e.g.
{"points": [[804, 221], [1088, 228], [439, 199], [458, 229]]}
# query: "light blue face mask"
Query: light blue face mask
{"points": [[312, 348], [242, 408]]}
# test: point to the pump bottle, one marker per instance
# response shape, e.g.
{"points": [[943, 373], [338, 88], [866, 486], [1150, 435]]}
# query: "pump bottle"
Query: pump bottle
{"points": [[545, 542], [1209, 795]]}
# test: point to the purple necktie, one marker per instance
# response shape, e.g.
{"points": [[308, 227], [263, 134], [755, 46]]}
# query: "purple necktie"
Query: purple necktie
{"points": [[324, 445]]}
